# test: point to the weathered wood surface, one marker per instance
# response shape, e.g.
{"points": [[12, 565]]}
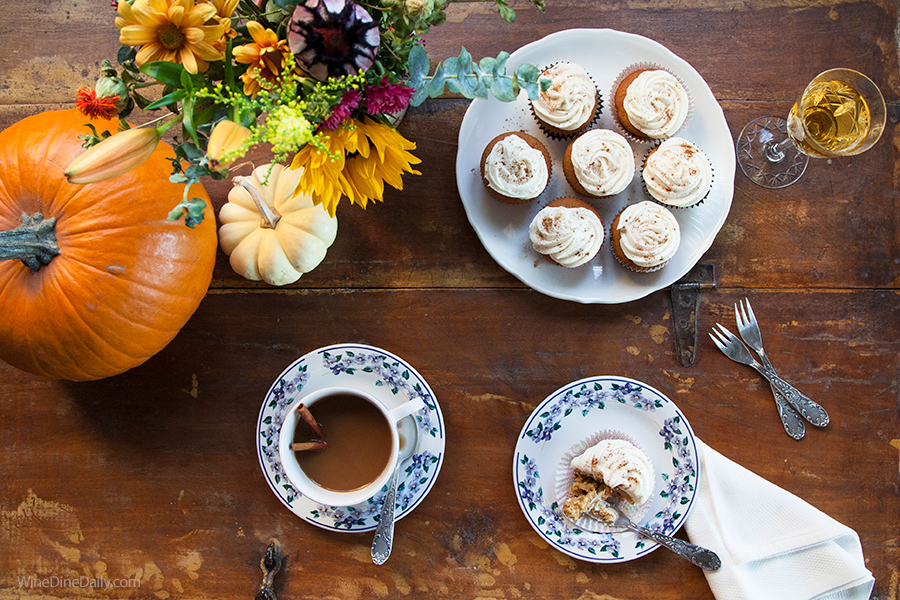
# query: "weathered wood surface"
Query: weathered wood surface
{"points": [[153, 474]]}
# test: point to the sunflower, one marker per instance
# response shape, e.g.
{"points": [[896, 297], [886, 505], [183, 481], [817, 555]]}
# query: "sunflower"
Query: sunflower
{"points": [[171, 30], [265, 55], [367, 154]]}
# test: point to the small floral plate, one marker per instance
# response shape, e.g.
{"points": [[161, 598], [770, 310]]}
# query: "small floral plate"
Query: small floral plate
{"points": [[386, 377], [596, 408]]}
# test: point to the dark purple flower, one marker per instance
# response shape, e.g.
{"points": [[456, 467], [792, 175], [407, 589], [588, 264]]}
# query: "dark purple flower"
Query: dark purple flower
{"points": [[331, 38]]}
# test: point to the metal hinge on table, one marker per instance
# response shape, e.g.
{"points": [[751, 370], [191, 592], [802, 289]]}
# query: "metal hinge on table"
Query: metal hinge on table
{"points": [[685, 298], [270, 564]]}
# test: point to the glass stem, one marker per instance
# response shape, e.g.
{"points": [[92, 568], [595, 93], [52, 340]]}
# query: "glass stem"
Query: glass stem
{"points": [[775, 150]]}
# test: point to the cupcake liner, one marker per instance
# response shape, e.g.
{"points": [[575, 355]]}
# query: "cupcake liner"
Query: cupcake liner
{"points": [[649, 196], [557, 136], [641, 66], [565, 475]]}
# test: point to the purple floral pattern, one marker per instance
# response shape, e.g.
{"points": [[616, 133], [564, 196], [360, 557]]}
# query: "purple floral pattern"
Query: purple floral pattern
{"points": [[581, 409], [379, 373]]}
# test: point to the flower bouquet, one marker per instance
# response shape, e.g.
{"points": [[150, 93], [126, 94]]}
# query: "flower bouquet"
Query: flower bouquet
{"points": [[320, 81]]}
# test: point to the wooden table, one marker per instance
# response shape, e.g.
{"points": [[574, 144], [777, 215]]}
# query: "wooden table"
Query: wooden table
{"points": [[153, 475]]}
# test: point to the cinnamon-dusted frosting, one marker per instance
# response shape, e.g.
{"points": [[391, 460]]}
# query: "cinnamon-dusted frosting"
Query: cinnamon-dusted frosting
{"points": [[620, 465], [677, 173], [656, 103], [649, 235], [515, 169], [571, 99], [603, 162], [570, 236]]}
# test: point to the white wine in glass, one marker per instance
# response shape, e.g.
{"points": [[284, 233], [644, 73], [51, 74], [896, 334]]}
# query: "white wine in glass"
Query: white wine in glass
{"points": [[840, 113]]}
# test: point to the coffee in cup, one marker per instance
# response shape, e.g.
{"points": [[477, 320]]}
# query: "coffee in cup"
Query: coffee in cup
{"points": [[362, 445]]}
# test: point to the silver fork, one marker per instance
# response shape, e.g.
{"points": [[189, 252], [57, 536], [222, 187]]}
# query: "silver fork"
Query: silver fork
{"points": [[700, 556], [735, 349], [749, 330]]}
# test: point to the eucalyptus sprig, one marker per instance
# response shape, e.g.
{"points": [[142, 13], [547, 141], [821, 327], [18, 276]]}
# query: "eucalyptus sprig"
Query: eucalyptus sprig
{"points": [[462, 75]]}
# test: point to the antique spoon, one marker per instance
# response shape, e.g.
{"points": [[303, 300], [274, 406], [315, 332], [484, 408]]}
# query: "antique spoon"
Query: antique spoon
{"points": [[384, 533]]}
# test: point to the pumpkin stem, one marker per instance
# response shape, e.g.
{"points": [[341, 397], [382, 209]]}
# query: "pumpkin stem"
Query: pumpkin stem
{"points": [[33, 241], [268, 215]]}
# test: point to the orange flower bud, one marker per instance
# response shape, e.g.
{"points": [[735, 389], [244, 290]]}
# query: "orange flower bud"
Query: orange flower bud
{"points": [[113, 156], [225, 144]]}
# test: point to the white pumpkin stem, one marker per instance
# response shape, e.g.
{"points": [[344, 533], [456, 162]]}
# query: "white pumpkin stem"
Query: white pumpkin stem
{"points": [[269, 216]]}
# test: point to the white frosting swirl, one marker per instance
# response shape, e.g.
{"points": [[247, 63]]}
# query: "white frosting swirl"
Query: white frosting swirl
{"points": [[656, 103], [570, 236], [603, 162], [621, 466], [570, 100], [677, 173], [649, 234], [515, 169]]}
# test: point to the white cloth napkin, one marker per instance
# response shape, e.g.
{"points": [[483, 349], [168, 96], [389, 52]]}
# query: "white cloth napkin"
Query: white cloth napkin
{"points": [[773, 545]]}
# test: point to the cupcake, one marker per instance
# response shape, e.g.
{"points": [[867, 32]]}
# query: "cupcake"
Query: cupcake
{"points": [[677, 173], [515, 167], [599, 163], [644, 237], [650, 103], [609, 471], [569, 104], [568, 230]]}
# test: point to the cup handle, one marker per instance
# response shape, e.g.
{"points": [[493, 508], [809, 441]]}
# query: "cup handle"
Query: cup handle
{"points": [[407, 408]]}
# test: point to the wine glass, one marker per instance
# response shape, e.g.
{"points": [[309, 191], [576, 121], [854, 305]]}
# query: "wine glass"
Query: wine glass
{"points": [[840, 113]]}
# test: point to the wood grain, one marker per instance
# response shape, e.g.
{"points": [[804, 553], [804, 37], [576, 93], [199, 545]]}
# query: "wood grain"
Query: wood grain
{"points": [[153, 475]]}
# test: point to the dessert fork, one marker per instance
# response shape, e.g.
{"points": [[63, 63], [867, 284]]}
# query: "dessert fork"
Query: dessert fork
{"points": [[749, 330], [735, 349], [700, 556]]}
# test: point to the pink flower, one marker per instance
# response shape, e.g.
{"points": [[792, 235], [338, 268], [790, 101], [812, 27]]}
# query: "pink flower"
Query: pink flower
{"points": [[349, 101], [388, 97]]}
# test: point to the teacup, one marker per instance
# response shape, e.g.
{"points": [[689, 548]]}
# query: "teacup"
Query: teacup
{"points": [[365, 446]]}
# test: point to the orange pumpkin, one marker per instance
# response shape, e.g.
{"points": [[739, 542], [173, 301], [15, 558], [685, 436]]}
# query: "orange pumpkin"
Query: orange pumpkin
{"points": [[125, 280]]}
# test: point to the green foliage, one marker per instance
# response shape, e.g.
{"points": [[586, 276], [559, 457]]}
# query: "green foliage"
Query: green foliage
{"points": [[461, 75]]}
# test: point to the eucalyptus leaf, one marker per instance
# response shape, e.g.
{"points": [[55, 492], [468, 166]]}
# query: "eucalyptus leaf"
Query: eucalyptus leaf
{"points": [[499, 68], [436, 88], [463, 62], [502, 89], [418, 65], [420, 94], [487, 64]]}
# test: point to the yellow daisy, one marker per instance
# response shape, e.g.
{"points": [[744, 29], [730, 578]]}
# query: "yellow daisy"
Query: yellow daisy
{"points": [[224, 10], [171, 30], [265, 55], [367, 154]]}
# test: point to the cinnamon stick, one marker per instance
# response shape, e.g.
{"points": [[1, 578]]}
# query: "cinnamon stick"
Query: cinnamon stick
{"points": [[311, 445], [309, 419]]}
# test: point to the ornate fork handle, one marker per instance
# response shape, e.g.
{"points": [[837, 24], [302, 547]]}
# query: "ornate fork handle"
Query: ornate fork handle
{"points": [[702, 557], [808, 409], [790, 418]]}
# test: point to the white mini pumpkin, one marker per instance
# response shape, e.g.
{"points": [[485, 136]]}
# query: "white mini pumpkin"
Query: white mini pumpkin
{"points": [[268, 233]]}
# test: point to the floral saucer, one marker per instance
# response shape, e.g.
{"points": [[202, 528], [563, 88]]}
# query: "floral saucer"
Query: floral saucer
{"points": [[386, 377], [577, 415]]}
